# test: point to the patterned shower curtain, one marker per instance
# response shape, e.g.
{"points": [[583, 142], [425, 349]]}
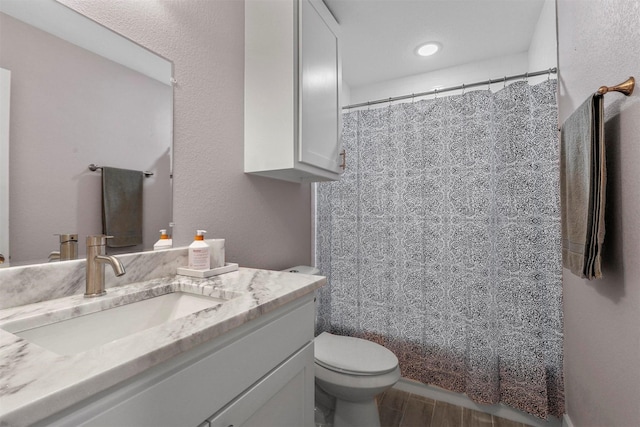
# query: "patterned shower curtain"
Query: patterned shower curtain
{"points": [[442, 243]]}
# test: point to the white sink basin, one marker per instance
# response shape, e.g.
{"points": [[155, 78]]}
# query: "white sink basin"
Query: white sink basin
{"points": [[82, 333]]}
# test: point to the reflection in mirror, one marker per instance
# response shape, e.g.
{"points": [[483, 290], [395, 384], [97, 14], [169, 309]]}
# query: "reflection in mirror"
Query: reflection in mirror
{"points": [[71, 107]]}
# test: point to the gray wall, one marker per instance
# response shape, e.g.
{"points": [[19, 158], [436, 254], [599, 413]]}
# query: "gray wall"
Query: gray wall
{"points": [[266, 223], [599, 44]]}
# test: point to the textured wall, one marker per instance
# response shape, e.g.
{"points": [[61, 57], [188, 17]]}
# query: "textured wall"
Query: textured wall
{"points": [[267, 223], [453, 76], [599, 44]]}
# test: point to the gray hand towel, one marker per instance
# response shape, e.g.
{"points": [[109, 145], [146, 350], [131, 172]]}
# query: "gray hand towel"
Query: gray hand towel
{"points": [[582, 188], [122, 206]]}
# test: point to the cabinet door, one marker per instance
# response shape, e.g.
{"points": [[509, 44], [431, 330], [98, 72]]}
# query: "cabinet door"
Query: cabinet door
{"points": [[320, 81], [283, 398]]}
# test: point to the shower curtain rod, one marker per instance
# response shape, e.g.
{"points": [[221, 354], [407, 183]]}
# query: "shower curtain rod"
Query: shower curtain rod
{"points": [[553, 70]]}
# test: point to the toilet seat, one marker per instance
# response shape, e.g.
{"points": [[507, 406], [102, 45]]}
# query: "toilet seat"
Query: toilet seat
{"points": [[353, 356]]}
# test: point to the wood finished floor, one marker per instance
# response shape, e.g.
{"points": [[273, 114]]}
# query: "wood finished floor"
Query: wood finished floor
{"points": [[401, 409]]}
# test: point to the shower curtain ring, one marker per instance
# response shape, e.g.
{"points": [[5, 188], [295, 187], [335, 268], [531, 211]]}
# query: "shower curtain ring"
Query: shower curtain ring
{"points": [[463, 88], [436, 93], [413, 98], [549, 74], [526, 77], [505, 82]]}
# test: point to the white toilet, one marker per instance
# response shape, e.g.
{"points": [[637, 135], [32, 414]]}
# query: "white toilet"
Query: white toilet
{"points": [[353, 371]]}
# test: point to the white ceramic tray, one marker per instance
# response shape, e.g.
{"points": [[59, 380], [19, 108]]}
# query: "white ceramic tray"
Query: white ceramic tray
{"points": [[228, 267]]}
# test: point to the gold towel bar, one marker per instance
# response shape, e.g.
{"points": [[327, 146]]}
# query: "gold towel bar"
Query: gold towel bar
{"points": [[625, 87]]}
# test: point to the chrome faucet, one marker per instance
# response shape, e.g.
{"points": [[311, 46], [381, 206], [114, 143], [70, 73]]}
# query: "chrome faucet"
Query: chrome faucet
{"points": [[68, 248], [96, 259]]}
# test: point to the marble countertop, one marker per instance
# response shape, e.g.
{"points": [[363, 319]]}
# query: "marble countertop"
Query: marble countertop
{"points": [[36, 383]]}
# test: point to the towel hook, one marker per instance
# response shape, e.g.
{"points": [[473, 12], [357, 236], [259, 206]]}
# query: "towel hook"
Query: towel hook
{"points": [[625, 87]]}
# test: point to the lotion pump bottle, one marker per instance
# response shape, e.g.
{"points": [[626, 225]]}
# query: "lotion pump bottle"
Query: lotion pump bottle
{"points": [[199, 253], [164, 242]]}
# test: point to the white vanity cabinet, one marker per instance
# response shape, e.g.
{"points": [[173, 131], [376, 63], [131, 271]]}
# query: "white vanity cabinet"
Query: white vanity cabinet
{"points": [[293, 78], [259, 374], [277, 400]]}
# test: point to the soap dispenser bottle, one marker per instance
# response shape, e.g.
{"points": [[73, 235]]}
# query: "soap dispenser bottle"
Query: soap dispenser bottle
{"points": [[199, 253], [164, 242]]}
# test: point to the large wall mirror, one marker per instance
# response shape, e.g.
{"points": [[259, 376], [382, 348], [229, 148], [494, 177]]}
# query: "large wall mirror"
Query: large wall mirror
{"points": [[75, 93]]}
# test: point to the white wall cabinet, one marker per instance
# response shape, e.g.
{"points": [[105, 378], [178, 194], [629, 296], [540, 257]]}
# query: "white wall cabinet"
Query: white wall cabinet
{"points": [[260, 374], [293, 81]]}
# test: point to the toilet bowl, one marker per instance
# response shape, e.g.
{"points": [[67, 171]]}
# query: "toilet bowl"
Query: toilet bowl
{"points": [[354, 371]]}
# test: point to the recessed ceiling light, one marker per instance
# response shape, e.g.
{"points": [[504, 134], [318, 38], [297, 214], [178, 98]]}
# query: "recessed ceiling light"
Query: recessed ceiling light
{"points": [[428, 49]]}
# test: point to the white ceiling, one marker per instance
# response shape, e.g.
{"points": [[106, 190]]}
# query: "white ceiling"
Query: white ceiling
{"points": [[379, 36]]}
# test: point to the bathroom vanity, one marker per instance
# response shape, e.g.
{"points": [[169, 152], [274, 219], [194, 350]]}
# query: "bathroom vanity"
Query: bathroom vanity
{"points": [[244, 359]]}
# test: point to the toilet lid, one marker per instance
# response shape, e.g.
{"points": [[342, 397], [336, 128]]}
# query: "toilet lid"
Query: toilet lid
{"points": [[353, 355]]}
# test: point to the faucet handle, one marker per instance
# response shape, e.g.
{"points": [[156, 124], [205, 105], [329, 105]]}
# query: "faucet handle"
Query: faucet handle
{"points": [[98, 240]]}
